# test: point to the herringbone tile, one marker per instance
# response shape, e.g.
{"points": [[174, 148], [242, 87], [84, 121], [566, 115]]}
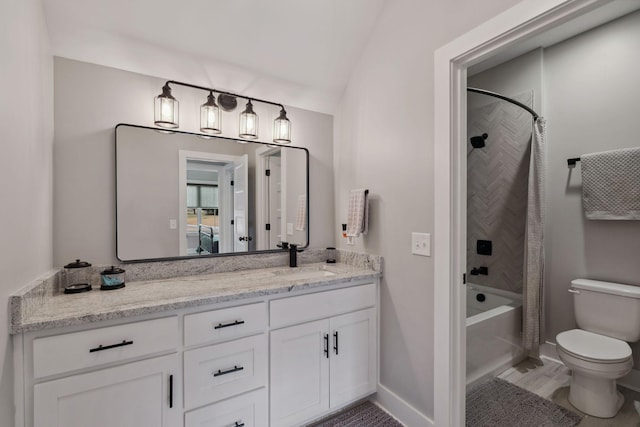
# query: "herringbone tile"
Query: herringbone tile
{"points": [[497, 191]]}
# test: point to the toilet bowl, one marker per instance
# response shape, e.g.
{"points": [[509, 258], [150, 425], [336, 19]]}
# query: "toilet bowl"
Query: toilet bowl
{"points": [[608, 317], [596, 362]]}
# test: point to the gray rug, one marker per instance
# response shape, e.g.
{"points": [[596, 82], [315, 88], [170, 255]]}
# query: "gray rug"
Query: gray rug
{"points": [[364, 415], [498, 403]]}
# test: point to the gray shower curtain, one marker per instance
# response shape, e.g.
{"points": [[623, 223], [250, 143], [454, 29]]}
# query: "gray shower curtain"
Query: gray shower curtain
{"points": [[534, 248]]}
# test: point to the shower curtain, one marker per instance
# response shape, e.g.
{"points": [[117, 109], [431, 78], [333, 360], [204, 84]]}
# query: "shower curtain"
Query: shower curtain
{"points": [[534, 248]]}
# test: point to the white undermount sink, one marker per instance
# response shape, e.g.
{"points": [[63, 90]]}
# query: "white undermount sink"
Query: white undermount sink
{"points": [[312, 272]]}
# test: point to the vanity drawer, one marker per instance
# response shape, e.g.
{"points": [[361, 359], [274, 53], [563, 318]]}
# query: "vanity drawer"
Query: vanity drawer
{"points": [[249, 410], [289, 311], [85, 349], [223, 370], [225, 324]]}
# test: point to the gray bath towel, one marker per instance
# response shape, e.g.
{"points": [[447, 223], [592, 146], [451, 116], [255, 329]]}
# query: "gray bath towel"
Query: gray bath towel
{"points": [[611, 184]]}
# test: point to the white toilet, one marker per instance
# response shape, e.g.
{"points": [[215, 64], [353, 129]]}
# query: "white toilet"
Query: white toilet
{"points": [[608, 315]]}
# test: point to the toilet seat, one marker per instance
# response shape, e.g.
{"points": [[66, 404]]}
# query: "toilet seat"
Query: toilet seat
{"points": [[592, 347]]}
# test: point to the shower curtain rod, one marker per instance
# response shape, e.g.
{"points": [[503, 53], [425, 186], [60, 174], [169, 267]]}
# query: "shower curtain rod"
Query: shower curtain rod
{"points": [[497, 95]]}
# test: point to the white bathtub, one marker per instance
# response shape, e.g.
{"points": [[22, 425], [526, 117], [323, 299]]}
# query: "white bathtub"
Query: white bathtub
{"points": [[494, 328]]}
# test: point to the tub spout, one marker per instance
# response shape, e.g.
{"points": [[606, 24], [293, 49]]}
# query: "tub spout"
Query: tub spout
{"points": [[480, 270]]}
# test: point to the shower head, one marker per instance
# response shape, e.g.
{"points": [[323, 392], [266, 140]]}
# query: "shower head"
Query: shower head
{"points": [[478, 141]]}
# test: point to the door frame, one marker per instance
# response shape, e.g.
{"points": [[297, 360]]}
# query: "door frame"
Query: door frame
{"points": [[524, 20], [183, 157]]}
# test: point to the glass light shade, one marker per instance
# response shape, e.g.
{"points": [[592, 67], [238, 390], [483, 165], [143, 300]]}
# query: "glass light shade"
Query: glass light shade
{"points": [[166, 109], [210, 116], [282, 129], [249, 123]]}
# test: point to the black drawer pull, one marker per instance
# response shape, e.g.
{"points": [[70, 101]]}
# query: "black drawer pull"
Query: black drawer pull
{"points": [[335, 340], [170, 391], [226, 325], [326, 345], [229, 371], [107, 347], [238, 424]]}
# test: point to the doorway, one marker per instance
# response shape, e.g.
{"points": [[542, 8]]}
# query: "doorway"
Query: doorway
{"points": [[213, 201], [497, 39]]}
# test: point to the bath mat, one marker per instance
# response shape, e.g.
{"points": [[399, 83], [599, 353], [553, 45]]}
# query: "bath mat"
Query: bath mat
{"points": [[498, 403], [364, 415]]}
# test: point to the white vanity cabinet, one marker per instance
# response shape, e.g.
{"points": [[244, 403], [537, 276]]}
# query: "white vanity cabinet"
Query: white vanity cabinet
{"points": [[279, 359], [321, 365], [133, 394]]}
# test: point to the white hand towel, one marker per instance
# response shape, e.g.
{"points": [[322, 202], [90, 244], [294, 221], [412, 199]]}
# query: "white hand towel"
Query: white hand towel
{"points": [[358, 213], [301, 213], [611, 184]]}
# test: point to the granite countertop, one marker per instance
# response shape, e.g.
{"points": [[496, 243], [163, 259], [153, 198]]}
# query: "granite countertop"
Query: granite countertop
{"points": [[32, 311]]}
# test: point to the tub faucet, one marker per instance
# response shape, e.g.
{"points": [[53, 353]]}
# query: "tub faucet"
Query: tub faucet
{"points": [[293, 255], [480, 270]]}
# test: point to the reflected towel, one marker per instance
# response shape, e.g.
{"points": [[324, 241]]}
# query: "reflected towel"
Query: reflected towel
{"points": [[301, 213], [358, 213], [611, 184]]}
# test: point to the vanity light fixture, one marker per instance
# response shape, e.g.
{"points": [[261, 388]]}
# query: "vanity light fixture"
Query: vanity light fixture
{"points": [[166, 113], [166, 109], [210, 116], [248, 123], [282, 128]]}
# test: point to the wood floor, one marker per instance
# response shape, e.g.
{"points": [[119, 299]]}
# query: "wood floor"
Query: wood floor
{"points": [[551, 381]]}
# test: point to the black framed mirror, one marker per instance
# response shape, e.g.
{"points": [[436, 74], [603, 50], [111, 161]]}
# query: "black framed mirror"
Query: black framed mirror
{"points": [[187, 195]]}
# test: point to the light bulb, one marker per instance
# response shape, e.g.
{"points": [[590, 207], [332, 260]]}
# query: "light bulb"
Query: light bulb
{"points": [[167, 109]]}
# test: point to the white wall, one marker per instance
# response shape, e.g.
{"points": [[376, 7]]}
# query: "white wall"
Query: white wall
{"points": [[591, 103], [26, 120], [90, 100], [384, 142], [511, 78]]}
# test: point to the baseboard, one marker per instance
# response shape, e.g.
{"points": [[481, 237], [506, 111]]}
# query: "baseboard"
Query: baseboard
{"points": [[548, 350], [630, 381], [400, 409]]}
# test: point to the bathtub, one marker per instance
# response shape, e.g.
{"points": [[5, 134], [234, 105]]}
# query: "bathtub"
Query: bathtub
{"points": [[494, 325]]}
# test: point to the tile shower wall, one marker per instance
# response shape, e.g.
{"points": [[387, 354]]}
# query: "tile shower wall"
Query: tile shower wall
{"points": [[497, 191]]}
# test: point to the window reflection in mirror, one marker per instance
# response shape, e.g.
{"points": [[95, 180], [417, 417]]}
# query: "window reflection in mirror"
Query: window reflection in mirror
{"points": [[181, 195]]}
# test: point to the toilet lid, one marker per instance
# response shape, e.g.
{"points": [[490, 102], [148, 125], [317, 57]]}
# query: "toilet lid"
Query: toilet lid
{"points": [[590, 346]]}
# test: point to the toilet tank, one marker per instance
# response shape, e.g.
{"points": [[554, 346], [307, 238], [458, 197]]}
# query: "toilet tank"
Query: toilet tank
{"points": [[606, 308]]}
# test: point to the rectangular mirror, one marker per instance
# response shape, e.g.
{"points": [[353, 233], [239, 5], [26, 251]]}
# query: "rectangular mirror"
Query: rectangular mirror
{"points": [[180, 194]]}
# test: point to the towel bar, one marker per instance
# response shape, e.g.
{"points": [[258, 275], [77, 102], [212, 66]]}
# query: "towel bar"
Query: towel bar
{"points": [[572, 162]]}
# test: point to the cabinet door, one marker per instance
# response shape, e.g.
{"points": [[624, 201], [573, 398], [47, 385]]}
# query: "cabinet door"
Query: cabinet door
{"points": [[133, 395], [299, 373], [353, 356]]}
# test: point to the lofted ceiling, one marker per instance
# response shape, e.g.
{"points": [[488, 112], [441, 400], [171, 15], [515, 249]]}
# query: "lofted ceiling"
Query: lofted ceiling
{"points": [[303, 50]]}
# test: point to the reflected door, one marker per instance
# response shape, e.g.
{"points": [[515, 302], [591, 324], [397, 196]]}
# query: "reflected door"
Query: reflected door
{"points": [[240, 203], [274, 204]]}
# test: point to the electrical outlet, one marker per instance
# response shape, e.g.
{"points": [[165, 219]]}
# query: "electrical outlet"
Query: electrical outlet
{"points": [[290, 228], [173, 224], [421, 244]]}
